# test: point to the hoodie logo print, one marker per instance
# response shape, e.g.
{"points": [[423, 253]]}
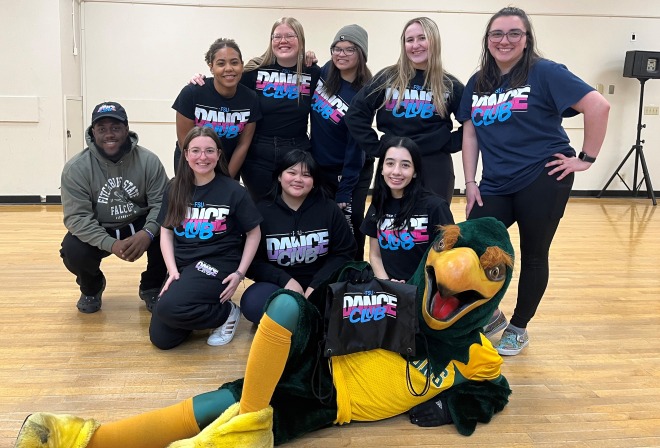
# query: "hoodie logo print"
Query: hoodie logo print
{"points": [[304, 247], [118, 192]]}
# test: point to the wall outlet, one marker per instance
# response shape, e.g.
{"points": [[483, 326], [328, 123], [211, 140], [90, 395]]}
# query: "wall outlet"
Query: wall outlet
{"points": [[651, 110]]}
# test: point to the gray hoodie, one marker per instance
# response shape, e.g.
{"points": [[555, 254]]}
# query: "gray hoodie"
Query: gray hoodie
{"points": [[98, 194]]}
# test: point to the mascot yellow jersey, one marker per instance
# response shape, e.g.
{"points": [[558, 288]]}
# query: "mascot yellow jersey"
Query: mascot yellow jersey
{"points": [[368, 389]]}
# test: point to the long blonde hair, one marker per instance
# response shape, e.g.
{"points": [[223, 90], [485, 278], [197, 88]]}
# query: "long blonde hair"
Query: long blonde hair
{"points": [[269, 57], [398, 76]]}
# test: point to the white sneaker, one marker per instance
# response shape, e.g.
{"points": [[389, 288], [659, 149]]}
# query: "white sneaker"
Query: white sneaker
{"points": [[225, 332]]}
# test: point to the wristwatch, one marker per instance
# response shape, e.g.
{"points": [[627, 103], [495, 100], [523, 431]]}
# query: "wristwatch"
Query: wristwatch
{"points": [[586, 158]]}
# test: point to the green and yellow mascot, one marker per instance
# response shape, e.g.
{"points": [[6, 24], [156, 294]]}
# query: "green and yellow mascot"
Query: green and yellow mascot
{"points": [[287, 392]]}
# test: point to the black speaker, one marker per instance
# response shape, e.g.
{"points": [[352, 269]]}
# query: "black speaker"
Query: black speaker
{"points": [[642, 65]]}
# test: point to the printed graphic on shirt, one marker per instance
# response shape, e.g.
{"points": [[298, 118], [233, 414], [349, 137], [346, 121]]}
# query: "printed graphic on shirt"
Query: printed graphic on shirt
{"points": [[117, 192], [416, 232], [416, 102], [284, 84], [422, 366], [225, 122], [368, 306], [203, 221], [206, 268], [298, 247], [332, 108], [499, 106]]}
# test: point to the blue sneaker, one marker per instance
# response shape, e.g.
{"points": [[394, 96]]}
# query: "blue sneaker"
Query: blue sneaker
{"points": [[512, 343], [497, 323]]}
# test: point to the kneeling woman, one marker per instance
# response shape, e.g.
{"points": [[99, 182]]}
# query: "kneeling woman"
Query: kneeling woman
{"points": [[204, 217], [403, 218], [304, 235]]}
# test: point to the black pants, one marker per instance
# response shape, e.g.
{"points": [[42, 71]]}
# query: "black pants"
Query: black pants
{"points": [[190, 303], [537, 209], [359, 195], [262, 159], [438, 173], [84, 260]]}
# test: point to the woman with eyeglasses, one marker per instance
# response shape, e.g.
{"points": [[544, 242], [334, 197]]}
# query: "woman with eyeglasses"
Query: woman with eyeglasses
{"points": [[221, 103], [346, 171], [413, 98], [209, 235], [512, 114]]}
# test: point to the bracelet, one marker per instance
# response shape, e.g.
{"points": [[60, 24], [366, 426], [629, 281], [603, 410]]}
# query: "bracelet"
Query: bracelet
{"points": [[241, 276], [470, 182], [150, 233]]}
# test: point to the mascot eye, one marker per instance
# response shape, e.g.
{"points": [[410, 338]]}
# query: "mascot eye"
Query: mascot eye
{"points": [[496, 273], [439, 245]]}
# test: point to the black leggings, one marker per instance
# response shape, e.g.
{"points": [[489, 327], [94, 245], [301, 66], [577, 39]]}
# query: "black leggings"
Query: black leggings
{"points": [[261, 161], [537, 209], [190, 303], [438, 173], [360, 192]]}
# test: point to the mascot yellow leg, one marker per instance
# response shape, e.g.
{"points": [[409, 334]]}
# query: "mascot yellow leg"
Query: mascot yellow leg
{"points": [[43, 430], [253, 429]]}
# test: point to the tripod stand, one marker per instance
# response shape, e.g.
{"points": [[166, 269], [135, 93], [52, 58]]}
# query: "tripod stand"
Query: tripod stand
{"points": [[639, 157]]}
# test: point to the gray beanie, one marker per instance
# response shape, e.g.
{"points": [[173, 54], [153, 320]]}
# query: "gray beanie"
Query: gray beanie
{"points": [[356, 34]]}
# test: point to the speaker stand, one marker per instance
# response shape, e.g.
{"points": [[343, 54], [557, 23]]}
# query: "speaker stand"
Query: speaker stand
{"points": [[640, 160]]}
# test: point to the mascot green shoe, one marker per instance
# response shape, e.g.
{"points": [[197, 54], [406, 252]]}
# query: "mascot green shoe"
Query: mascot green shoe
{"points": [[254, 429], [43, 430]]}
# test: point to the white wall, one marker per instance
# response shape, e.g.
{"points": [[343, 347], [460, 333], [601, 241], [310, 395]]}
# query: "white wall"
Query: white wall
{"points": [[141, 53], [32, 134]]}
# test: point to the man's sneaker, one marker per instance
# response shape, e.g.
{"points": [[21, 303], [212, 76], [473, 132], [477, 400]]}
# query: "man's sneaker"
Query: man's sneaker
{"points": [[225, 332], [91, 304], [512, 343], [150, 297], [497, 323]]}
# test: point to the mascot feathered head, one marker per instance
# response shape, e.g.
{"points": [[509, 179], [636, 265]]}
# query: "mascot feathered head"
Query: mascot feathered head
{"points": [[463, 278]]}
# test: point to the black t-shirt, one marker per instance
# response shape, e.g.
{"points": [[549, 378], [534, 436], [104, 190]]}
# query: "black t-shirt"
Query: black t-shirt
{"points": [[285, 106], [227, 116], [401, 250], [220, 214]]}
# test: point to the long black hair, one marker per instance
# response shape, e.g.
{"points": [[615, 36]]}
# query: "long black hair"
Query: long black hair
{"points": [[183, 184], [413, 191], [489, 77], [292, 158]]}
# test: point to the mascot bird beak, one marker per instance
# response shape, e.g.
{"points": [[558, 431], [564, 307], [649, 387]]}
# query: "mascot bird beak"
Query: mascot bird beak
{"points": [[457, 282]]}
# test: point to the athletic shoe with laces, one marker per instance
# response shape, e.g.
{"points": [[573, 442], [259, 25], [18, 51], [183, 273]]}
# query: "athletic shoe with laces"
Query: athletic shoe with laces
{"points": [[225, 332], [512, 343], [150, 297], [91, 304], [496, 324]]}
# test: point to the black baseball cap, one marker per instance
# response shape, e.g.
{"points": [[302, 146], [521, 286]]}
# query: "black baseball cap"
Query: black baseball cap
{"points": [[109, 109]]}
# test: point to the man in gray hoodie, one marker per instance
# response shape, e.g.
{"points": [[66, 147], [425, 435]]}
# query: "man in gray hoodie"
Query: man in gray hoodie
{"points": [[111, 195]]}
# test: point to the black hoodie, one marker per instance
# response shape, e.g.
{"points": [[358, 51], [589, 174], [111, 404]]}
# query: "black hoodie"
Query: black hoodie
{"points": [[307, 244]]}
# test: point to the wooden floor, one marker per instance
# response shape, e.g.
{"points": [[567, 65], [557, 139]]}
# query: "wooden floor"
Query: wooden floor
{"points": [[590, 377]]}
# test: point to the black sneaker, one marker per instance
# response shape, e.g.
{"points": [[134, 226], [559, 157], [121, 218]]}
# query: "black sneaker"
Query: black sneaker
{"points": [[150, 297], [91, 304]]}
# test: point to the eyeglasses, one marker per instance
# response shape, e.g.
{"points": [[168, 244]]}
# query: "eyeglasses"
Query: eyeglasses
{"points": [[197, 152], [280, 37], [348, 51], [512, 36]]}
